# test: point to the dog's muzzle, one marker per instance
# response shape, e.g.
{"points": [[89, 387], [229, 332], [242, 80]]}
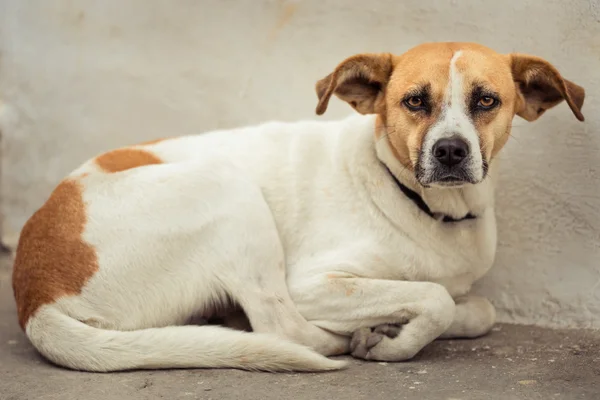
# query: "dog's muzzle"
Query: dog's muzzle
{"points": [[449, 165]]}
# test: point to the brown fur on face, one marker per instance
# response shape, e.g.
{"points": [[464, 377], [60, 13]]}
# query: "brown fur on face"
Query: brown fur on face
{"points": [[380, 83]]}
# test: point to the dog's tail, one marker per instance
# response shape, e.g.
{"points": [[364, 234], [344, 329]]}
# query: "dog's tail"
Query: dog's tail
{"points": [[76, 345]]}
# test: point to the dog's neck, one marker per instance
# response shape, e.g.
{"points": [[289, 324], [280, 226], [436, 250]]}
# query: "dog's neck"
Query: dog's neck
{"points": [[443, 203]]}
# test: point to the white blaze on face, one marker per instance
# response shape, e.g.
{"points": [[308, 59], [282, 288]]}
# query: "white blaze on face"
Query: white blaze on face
{"points": [[454, 121]]}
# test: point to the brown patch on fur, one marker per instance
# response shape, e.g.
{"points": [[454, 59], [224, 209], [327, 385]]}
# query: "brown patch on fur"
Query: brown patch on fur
{"points": [[338, 282], [127, 158], [52, 260]]}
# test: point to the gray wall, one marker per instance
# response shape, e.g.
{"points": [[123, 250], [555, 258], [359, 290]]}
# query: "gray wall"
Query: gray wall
{"points": [[81, 77]]}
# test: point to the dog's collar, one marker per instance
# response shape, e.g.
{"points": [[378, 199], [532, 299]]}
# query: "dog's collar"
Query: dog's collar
{"points": [[418, 200]]}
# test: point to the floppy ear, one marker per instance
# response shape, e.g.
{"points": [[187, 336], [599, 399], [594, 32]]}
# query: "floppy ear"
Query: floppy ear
{"points": [[360, 81], [540, 87]]}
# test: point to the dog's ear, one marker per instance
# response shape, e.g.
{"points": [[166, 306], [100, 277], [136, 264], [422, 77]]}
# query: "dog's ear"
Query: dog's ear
{"points": [[540, 87], [360, 81]]}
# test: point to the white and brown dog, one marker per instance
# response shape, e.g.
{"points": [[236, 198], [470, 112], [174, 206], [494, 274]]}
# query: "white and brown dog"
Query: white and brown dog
{"points": [[358, 236]]}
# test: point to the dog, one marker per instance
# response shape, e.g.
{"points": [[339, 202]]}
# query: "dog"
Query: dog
{"points": [[359, 236]]}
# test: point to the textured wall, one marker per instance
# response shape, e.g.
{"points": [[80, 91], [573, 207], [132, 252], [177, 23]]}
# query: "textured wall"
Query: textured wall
{"points": [[82, 76]]}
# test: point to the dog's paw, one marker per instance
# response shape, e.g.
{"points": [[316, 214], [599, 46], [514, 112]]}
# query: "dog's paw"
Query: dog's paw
{"points": [[389, 330], [364, 339]]}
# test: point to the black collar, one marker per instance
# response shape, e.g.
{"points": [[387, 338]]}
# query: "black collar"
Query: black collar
{"points": [[418, 200]]}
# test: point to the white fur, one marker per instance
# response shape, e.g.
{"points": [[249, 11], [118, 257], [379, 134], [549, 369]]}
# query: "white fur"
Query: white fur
{"points": [[454, 121], [299, 223]]}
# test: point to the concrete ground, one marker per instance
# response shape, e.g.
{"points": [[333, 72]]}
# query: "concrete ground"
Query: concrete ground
{"points": [[513, 362]]}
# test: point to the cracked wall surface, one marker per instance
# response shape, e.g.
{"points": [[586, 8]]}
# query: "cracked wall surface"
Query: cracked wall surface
{"points": [[78, 78]]}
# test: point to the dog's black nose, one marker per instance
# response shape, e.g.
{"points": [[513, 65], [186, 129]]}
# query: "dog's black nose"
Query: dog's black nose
{"points": [[450, 151]]}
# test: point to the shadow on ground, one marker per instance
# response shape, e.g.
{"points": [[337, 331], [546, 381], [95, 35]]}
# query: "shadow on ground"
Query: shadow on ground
{"points": [[513, 362]]}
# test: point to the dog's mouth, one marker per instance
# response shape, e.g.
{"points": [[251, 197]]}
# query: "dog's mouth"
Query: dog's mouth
{"points": [[443, 177], [438, 175], [451, 181]]}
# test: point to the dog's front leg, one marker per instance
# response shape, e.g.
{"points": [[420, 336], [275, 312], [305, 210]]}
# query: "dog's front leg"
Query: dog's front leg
{"points": [[388, 320], [475, 316]]}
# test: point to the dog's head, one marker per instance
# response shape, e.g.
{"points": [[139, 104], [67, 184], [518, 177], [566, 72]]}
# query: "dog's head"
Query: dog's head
{"points": [[447, 108]]}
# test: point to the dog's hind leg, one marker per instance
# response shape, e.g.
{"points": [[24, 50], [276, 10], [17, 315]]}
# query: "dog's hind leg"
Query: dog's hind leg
{"points": [[258, 281], [272, 310]]}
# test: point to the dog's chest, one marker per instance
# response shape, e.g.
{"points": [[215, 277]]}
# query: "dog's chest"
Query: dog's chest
{"points": [[453, 256], [453, 259]]}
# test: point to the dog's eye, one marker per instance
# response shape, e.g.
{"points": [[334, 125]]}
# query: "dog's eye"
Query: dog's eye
{"points": [[414, 102], [486, 102]]}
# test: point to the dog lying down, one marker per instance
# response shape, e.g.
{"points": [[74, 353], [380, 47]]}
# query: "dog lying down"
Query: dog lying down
{"points": [[361, 236]]}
